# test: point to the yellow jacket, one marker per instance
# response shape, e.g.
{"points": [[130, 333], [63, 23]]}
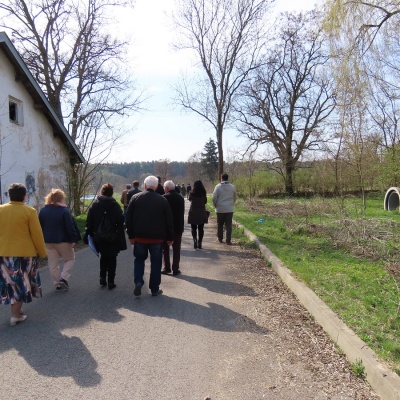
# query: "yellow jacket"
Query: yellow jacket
{"points": [[20, 231]]}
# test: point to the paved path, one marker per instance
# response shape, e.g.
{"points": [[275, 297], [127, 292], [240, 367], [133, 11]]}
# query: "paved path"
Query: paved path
{"points": [[198, 339]]}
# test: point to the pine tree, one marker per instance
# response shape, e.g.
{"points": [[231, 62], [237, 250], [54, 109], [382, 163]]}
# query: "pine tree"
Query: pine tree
{"points": [[209, 160]]}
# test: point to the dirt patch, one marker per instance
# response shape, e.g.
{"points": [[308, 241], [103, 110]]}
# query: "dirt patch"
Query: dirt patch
{"points": [[289, 208], [300, 339], [394, 269]]}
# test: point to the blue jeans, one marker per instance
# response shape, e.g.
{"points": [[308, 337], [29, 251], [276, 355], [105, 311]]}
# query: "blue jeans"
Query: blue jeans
{"points": [[140, 252]]}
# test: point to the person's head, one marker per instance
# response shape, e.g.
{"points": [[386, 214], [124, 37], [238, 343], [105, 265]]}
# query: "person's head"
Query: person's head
{"points": [[224, 176], [198, 189], [169, 185], [17, 192], [135, 184], [107, 190], [128, 186], [151, 182], [159, 179], [55, 196]]}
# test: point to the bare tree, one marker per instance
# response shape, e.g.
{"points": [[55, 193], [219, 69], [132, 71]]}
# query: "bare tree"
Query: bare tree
{"points": [[194, 170], [226, 36], [79, 66], [289, 98], [162, 168]]}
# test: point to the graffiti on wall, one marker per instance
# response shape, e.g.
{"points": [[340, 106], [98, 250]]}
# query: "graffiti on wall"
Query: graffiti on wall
{"points": [[30, 185]]}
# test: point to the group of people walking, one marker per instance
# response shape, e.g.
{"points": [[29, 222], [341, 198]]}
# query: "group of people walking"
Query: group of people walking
{"points": [[153, 222]]}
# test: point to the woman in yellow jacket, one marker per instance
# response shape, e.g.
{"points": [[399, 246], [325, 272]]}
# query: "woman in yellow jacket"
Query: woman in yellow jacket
{"points": [[21, 242]]}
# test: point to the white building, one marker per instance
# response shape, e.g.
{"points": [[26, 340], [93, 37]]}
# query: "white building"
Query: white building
{"points": [[35, 147]]}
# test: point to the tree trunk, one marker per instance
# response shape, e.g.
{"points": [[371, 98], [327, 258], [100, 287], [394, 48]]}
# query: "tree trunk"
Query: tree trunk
{"points": [[220, 152], [74, 195], [289, 180]]}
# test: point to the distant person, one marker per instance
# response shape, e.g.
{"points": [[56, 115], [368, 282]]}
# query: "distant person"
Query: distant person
{"points": [[124, 197], [188, 189], [183, 190], [105, 203], [21, 245], [224, 197], [197, 215], [133, 191], [177, 188], [60, 236], [160, 189], [177, 204], [149, 223]]}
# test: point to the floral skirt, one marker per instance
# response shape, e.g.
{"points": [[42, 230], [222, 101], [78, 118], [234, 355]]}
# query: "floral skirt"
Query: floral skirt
{"points": [[19, 279]]}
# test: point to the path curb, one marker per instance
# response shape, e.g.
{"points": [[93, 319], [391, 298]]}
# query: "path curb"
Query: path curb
{"points": [[384, 381]]}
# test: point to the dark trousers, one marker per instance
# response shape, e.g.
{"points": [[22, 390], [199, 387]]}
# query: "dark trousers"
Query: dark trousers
{"points": [[108, 264], [224, 219], [201, 232], [176, 256], [141, 252]]}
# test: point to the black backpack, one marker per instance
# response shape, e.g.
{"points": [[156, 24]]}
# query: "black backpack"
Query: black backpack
{"points": [[106, 232]]}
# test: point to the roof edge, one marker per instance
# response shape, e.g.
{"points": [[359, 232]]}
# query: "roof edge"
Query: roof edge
{"points": [[52, 114]]}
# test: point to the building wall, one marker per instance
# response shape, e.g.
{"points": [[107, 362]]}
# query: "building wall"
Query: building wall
{"points": [[29, 152]]}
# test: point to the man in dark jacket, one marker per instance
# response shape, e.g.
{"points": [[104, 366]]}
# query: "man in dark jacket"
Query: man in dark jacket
{"points": [[149, 223], [177, 204], [159, 188], [133, 191]]}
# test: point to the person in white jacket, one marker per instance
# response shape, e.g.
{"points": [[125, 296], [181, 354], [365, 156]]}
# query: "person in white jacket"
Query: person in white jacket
{"points": [[224, 197]]}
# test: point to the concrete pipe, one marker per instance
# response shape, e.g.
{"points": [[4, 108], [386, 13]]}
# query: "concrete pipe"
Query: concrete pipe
{"points": [[392, 199]]}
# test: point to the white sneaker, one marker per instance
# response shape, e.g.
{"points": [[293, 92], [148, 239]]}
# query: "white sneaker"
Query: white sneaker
{"points": [[15, 320]]}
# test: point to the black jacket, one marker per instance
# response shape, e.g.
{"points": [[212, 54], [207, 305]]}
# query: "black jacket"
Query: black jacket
{"points": [[116, 216], [131, 193], [197, 212], [149, 216], [177, 204]]}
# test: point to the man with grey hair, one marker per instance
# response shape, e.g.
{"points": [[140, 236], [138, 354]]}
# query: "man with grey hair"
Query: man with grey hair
{"points": [[177, 204], [149, 223]]}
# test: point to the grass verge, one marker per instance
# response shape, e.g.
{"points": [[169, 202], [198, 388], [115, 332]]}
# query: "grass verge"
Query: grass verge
{"points": [[346, 254]]}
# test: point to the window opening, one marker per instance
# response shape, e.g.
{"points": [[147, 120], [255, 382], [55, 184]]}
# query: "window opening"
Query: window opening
{"points": [[13, 112]]}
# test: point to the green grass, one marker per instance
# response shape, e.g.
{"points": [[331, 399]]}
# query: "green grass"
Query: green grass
{"points": [[343, 253], [80, 221], [358, 368]]}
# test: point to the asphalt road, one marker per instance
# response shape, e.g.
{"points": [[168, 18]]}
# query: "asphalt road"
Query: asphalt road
{"points": [[195, 340]]}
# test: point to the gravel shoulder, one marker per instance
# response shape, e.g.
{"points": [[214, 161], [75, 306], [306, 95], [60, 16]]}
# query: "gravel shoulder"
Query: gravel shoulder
{"points": [[305, 355]]}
